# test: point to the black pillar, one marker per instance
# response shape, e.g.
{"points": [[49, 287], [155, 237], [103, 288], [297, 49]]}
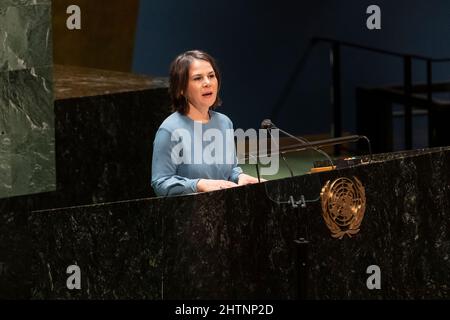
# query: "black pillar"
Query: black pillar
{"points": [[408, 107], [335, 61]]}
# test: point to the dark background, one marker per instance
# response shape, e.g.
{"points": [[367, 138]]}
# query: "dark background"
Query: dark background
{"points": [[258, 44]]}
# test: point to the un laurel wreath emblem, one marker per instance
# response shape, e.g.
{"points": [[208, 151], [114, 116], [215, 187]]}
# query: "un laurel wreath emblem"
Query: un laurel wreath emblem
{"points": [[343, 206]]}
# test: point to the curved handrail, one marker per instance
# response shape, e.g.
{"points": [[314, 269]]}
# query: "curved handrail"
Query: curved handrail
{"points": [[335, 65], [315, 40]]}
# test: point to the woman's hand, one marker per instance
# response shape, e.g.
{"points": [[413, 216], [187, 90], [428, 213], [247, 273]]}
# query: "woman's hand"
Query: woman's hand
{"points": [[246, 179], [205, 185]]}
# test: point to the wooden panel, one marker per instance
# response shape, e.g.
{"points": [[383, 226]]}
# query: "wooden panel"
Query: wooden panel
{"points": [[106, 38]]}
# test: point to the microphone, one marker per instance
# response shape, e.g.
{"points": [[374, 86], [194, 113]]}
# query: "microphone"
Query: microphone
{"points": [[303, 145], [314, 145], [267, 124]]}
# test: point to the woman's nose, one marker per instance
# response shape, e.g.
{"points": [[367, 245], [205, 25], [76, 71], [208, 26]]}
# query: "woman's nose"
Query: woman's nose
{"points": [[207, 82]]}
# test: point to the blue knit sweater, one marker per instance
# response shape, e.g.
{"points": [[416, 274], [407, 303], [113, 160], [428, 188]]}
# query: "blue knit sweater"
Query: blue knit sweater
{"points": [[185, 151]]}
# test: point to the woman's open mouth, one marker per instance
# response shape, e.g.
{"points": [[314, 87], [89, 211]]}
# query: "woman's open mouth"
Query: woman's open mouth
{"points": [[207, 94]]}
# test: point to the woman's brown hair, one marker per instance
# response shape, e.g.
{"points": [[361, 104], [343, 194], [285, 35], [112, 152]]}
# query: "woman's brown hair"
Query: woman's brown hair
{"points": [[179, 78]]}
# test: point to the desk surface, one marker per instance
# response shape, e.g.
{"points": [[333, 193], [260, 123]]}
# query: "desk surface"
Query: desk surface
{"points": [[74, 82]]}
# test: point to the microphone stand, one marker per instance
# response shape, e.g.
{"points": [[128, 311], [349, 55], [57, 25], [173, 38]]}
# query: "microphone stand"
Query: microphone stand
{"points": [[267, 124], [294, 203], [301, 243], [281, 153], [304, 145]]}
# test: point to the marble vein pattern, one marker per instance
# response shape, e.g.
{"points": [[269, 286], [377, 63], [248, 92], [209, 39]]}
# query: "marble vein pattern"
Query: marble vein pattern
{"points": [[27, 143]]}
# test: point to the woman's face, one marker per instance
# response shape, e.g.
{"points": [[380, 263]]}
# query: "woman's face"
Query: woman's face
{"points": [[202, 85]]}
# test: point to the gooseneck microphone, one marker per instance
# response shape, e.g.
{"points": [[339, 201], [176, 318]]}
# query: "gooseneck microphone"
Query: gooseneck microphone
{"points": [[304, 144], [315, 145], [267, 124]]}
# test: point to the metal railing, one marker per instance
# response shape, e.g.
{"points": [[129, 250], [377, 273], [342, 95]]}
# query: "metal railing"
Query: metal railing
{"points": [[335, 61]]}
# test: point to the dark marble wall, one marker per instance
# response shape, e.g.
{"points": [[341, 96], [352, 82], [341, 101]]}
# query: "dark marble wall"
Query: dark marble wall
{"points": [[27, 155], [15, 250], [105, 123], [239, 244], [118, 257], [105, 126], [246, 249]]}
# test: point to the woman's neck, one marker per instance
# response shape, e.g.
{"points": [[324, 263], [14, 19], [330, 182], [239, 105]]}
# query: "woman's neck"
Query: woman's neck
{"points": [[198, 114]]}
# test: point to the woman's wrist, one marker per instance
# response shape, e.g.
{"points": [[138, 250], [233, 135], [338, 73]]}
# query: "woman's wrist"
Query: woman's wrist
{"points": [[200, 185]]}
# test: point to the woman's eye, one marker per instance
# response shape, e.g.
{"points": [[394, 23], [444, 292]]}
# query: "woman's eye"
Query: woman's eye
{"points": [[212, 76], [196, 79]]}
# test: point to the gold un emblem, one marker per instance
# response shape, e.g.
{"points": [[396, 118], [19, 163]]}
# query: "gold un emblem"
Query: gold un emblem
{"points": [[343, 206]]}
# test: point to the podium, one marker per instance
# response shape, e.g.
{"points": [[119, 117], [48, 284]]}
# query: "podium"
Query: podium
{"points": [[239, 244]]}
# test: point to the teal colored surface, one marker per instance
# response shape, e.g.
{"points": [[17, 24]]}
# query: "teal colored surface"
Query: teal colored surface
{"points": [[299, 162]]}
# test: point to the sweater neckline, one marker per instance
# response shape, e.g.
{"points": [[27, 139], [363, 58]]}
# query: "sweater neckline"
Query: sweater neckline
{"points": [[211, 114]]}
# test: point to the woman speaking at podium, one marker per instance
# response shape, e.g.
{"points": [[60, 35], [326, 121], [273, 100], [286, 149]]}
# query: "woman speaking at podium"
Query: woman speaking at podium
{"points": [[181, 163]]}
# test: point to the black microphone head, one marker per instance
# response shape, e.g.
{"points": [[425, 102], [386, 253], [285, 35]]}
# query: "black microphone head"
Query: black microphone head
{"points": [[266, 124]]}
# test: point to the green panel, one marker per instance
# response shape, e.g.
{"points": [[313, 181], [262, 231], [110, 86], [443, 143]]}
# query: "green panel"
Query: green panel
{"points": [[27, 143], [25, 37], [27, 125], [19, 3], [5, 140]]}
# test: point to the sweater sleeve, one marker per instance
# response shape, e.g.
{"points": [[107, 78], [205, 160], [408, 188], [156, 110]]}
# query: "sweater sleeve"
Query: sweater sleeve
{"points": [[236, 170], [235, 174], [165, 181]]}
